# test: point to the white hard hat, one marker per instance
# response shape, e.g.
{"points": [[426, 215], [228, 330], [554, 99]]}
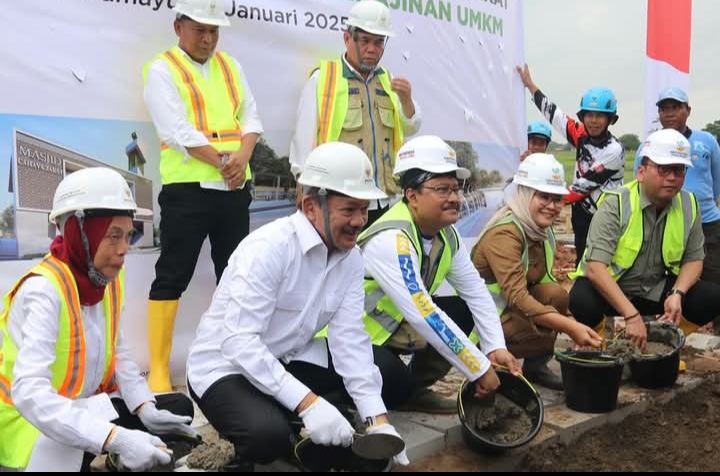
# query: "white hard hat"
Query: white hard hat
{"points": [[207, 12], [371, 16], [96, 188], [431, 154], [667, 147], [342, 168], [542, 172]]}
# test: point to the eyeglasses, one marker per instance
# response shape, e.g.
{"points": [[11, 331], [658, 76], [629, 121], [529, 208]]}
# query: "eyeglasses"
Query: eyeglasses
{"points": [[548, 198], [445, 191], [665, 170]]}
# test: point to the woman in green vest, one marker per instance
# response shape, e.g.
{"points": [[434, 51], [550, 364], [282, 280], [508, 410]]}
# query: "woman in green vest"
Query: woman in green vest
{"points": [[69, 389], [515, 256]]}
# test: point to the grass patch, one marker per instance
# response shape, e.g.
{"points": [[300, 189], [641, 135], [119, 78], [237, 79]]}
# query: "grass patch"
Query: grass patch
{"points": [[567, 158]]}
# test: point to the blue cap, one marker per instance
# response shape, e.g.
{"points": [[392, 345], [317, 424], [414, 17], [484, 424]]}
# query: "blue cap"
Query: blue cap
{"points": [[676, 94]]}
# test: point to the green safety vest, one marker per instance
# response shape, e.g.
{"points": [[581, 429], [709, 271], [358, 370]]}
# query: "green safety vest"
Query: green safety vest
{"points": [[213, 106], [680, 218], [17, 435], [494, 288], [381, 317]]}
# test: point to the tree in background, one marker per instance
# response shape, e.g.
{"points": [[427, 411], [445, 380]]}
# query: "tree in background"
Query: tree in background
{"points": [[467, 156], [7, 222], [714, 129], [266, 165], [630, 141]]}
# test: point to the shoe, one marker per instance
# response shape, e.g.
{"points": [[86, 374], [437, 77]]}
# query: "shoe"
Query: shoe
{"points": [[535, 370], [426, 401], [161, 322]]}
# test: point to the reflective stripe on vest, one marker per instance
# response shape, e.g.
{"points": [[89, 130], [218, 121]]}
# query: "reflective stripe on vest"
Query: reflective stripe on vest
{"points": [[68, 371], [332, 102], [381, 316], [679, 221], [213, 105]]}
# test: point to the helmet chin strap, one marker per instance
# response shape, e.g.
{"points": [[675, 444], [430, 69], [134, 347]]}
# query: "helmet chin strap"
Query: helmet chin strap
{"points": [[96, 277], [326, 217]]}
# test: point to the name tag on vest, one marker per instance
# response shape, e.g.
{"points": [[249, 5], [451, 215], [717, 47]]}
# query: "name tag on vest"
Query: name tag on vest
{"points": [[354, 91]]}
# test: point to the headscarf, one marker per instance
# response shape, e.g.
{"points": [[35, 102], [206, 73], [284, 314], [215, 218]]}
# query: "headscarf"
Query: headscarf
{"points": [[68, 248], [519, 205]]}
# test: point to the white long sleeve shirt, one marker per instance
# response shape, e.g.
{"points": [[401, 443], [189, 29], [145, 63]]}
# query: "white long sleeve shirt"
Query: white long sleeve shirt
{"points": [[279, 289], [34, 327], [400, 280], [169, 112], [306, 126]]}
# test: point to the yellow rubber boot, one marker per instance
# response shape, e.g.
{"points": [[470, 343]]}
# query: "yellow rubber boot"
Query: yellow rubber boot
{"points": [[600, 329], [688, 328], [161, 322]]}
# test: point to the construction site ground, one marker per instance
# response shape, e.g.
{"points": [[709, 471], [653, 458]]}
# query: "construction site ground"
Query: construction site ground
{"points": [[673, 429]]}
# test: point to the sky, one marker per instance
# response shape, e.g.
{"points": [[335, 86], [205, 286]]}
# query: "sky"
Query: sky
{"points": [[572, 46]]}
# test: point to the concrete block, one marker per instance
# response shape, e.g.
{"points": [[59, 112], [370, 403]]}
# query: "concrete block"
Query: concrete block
{"points": [[420, 441], [703, 341], [449, 425], [569, 424]]}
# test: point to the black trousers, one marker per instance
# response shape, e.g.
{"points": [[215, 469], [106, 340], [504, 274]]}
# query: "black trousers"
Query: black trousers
{"points": [[581, 226], [188, 215], [711, 265], [261, 429], [700, 306], [176, 403], [428, 365]]}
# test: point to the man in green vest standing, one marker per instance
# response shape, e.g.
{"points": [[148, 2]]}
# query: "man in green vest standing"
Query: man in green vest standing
{"points": [[408, 253], [645, 249], [353, 99], [206, 118]]}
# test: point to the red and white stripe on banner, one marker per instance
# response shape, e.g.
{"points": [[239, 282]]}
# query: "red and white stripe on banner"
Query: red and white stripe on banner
{"points": [[668, 53]]}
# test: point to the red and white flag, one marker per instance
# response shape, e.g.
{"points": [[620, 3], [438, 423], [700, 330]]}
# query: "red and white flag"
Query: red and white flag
{"points": [[668, 53]]}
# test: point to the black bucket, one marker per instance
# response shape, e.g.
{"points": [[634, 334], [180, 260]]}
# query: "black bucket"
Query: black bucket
{"points": [[314, 458], [661, 371], [515, 389], [591, 380]]}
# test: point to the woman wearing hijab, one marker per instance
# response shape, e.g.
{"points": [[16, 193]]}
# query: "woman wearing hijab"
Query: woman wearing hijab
{"points": [[68, 387], [515, 255]]}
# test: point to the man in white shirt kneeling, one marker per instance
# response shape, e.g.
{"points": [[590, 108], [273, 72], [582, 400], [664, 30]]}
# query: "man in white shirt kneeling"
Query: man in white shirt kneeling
{"points": [[256, 359]]}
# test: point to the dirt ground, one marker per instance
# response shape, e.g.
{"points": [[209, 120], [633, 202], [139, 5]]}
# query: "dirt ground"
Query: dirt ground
{"points": [[680, 436]]}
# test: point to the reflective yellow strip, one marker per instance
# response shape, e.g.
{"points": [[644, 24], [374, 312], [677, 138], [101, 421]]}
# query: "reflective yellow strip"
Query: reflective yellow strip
{"points": [[5, 390], [196, 97], [229, 83], [328, 102], [75, 373]]}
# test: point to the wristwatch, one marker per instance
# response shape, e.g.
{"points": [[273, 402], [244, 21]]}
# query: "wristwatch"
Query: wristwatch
{"points": [[223, 160], [371, 421], [678, 292]]}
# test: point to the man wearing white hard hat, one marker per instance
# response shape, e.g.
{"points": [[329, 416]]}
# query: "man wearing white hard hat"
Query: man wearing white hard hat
{"points": [[645, 249], [409, 253], [255, 363], [515, 254], [69, 389], [703, 179], [353, 99], [205, 116]]}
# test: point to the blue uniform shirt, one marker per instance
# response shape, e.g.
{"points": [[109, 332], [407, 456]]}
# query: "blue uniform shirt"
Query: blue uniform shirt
{"points": [[703, 179]]}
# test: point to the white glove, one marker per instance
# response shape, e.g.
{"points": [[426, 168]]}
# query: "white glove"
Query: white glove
{"points": [[388, 429], [137, 450], [161, 422], [326, 425]]}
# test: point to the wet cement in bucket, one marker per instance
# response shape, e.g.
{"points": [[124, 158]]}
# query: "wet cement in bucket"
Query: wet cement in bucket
{"points": [[212, 455], [503, 422]]}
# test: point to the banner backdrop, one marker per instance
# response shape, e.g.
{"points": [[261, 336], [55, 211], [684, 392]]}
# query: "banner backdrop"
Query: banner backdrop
{"points": [[71, 96], [668, 53]]}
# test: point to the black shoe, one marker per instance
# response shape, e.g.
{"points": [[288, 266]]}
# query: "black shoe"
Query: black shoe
{"points": [[536, 371]]}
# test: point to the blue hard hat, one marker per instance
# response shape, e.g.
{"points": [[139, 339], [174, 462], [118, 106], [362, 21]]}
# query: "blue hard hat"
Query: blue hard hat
{"points": [[600, 100], [675, 94], [539, 128]]}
